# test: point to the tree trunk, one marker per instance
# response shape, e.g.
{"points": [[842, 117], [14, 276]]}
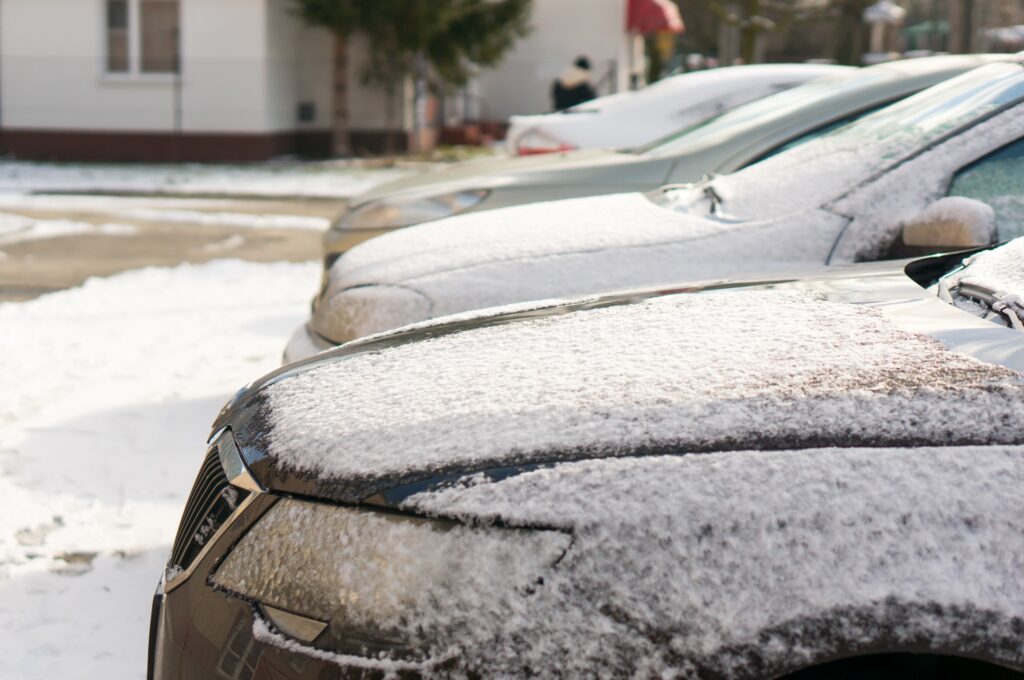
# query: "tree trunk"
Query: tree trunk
{"points": [[850, 41], [749, 33], [340, 139]]}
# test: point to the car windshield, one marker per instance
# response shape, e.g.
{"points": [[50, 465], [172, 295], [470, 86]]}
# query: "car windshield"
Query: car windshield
{"points": [[825, 168], [761, 112]]}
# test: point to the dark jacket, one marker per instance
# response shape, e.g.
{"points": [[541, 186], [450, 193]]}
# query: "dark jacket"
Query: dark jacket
{"points": [[571, 88]]}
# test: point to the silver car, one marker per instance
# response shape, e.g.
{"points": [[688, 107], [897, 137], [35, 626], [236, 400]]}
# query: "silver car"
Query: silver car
{"points": [[723, 144], [936, 171]]}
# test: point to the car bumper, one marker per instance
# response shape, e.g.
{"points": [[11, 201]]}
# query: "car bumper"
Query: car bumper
{"points": [[304, 343]]}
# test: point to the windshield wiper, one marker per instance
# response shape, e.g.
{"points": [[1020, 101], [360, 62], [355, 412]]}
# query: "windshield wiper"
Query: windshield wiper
{"points": [[713, 196], [1004, 305]]}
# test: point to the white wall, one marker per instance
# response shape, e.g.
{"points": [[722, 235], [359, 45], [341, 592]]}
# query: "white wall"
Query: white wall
{"points": [[562, 31], [368, 102], [52, 71], [299, 69], [223, 47]]}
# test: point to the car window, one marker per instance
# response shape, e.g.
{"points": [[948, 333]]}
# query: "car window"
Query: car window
{"points": [[825, 168], [815, 133], [761, 112], [997, 179]]}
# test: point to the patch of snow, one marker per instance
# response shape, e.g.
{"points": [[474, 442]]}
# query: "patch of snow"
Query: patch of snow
{"points": [[80, 624], [677, 371], [224, 245], [747, 564], [110, 391], [16, 229], [281, 179], [1000, 269], [229, 219]]}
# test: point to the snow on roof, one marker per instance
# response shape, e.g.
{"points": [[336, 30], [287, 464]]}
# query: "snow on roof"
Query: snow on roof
{"points": [[720, 562], [825, 168], [732, 369]]}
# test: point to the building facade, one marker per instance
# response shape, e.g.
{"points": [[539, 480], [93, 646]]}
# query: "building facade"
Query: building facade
{"points": [[173, 80], [212, 80]]}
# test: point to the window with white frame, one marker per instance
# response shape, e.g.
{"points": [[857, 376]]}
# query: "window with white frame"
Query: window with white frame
{"points": [[142, 36]]}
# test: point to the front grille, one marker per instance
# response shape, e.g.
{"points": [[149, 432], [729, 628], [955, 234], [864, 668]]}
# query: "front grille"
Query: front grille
{"points": [[209, 505]]}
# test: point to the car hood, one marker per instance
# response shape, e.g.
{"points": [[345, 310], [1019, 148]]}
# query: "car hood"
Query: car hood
{"points": [[855, 357], [719, 562], [569, 247], [488, 173]]}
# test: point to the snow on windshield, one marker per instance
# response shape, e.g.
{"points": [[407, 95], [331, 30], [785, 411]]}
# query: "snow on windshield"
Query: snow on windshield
{"points": [[1000, 270], [690, 371], [763, 111], [821, 170], [720, 561]]}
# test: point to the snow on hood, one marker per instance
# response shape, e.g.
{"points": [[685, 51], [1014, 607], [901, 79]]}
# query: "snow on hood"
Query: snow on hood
{"points": [[557, 249], [747, 564], [724, 370]]}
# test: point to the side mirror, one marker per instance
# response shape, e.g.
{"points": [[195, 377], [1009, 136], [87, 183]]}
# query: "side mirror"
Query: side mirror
{"points": [[951, 223]]}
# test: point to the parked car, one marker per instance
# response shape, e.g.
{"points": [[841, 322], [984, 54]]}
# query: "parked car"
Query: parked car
{"points": [[818, 475], [842, 197], [723, 144], [628, 119]]}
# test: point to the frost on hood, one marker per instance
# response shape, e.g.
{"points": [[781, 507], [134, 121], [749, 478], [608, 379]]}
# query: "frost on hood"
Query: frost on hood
{"points": [[731, 564], [563, 248], [732, 369]]}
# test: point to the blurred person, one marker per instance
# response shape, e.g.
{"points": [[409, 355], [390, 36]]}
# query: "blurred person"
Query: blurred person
{"points": [[574, 86]]}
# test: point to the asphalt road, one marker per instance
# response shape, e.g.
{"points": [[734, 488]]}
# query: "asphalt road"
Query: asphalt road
{"points": [[31, 268]]}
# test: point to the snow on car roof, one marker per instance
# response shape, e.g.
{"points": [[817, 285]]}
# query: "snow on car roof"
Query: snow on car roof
{"points": [[822, 169], [721, 561], [732, 369]]}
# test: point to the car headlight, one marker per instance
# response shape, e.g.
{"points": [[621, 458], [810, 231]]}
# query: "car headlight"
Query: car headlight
{"points": [[369, 582], [393, 213]]}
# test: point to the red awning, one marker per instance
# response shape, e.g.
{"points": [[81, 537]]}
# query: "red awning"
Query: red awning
{"points": [[653, 16]]}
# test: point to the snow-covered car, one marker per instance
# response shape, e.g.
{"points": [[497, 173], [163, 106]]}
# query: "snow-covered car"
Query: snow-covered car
{"points": [[945, 164], [628, 119], [725, 143], [817, 474]]}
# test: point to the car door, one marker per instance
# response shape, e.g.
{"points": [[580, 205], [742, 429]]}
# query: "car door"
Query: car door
{"points": [[879, 207]]}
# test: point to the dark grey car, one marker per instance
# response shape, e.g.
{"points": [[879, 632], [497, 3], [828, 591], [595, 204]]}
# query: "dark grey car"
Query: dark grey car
{"points": [[813, 475]]}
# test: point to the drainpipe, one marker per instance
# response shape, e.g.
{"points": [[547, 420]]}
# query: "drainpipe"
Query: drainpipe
{"points": [[178, 131]]}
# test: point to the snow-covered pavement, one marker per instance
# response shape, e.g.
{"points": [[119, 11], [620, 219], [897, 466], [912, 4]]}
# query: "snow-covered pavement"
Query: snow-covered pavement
{"points": [[328, 179], [108, 393]]}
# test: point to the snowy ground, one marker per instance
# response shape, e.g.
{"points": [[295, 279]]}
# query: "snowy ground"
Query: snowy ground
{"points": [[329, 179], [109, 390]]}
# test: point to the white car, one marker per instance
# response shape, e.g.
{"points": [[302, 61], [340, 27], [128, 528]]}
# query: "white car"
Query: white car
{"points": [[629, 119], [940, 170]]}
